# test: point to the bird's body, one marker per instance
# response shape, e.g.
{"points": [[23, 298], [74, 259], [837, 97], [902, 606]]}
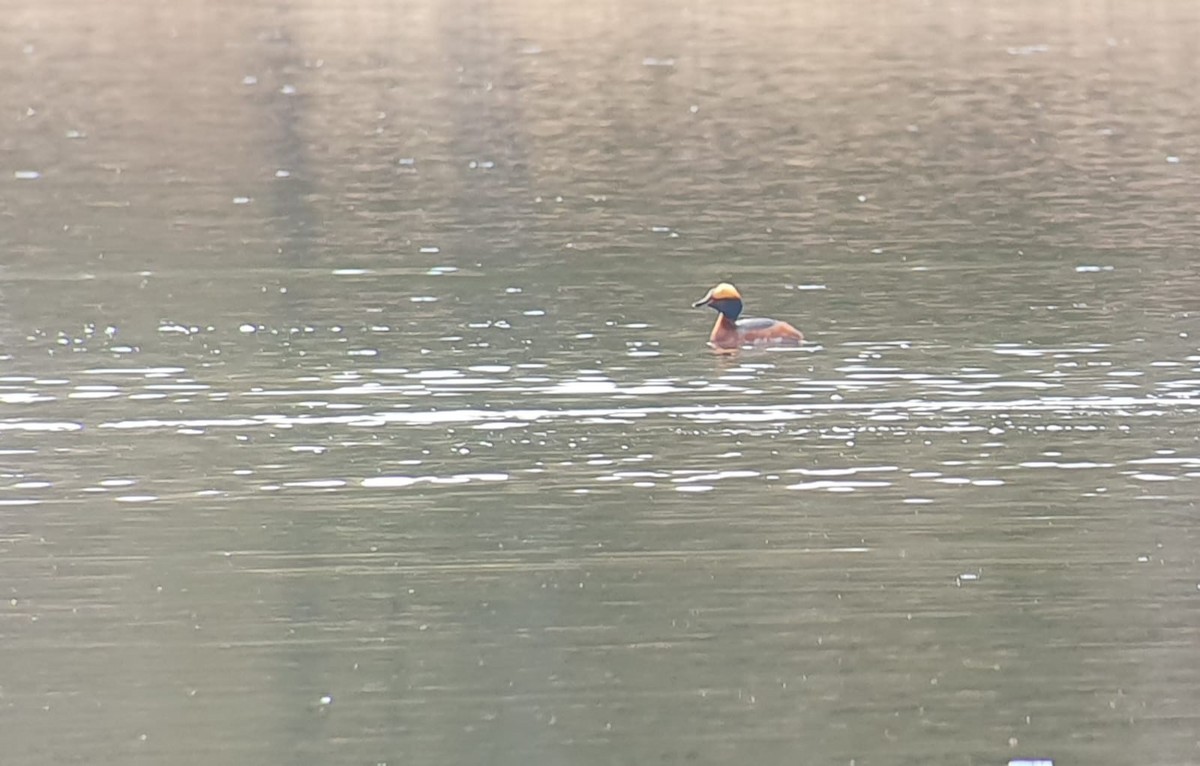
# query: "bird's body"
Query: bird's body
{"points": [[730, 332]]}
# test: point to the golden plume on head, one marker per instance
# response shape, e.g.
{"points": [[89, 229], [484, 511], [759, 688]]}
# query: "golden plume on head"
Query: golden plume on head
{"points": [[721, 292]]}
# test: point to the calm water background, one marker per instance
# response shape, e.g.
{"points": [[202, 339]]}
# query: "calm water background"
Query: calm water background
{"points": [[352, 409]]}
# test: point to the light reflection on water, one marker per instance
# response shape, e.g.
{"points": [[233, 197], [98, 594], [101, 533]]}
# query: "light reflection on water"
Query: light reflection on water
{"points": [[512, 420], [823, 496]]}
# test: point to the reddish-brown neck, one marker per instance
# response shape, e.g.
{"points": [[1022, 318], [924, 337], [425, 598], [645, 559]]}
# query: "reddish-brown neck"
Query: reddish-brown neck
{"points": [[724, 333]]}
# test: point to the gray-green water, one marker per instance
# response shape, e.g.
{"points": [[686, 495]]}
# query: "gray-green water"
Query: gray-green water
{"points": [[352, 409]]}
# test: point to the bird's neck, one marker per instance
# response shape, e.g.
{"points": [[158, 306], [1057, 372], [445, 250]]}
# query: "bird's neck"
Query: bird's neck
{"points": [[724, 331]]}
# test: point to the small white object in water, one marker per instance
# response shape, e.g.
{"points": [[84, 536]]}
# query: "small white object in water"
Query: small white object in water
{"points": [[247, 328], [283, 173], [241, 200], [288, 90], [249, 80], [326, 699], [1171, 158], [27, 175], [1027, 50]]}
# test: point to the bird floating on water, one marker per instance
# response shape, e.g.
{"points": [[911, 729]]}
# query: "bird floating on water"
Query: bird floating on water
{"points": [[731, 333]]}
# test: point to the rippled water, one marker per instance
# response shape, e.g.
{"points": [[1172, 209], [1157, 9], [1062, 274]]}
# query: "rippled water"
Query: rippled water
{"points": [[352, 408]]}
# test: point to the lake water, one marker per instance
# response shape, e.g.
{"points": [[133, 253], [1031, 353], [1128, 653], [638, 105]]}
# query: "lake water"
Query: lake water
{"points": [[352, 408]]}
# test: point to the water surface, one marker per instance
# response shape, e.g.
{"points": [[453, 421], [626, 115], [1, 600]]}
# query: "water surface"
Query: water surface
{"points": [[353, 409]]}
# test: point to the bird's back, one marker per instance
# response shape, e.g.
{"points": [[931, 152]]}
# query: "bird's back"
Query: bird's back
{"points": [[764, 330]]}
